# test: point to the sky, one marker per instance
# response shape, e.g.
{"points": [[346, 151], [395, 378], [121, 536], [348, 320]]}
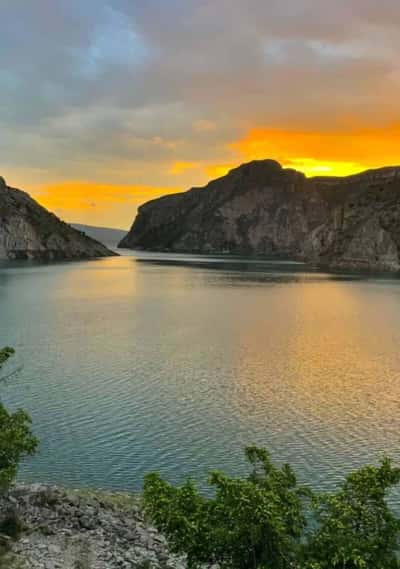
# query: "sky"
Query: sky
{"points": [[105, 104]]}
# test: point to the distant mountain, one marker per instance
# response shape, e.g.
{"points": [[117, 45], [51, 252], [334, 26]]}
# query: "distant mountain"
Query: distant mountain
{"points": [[262, 208], [29, 231], [106, 235]]}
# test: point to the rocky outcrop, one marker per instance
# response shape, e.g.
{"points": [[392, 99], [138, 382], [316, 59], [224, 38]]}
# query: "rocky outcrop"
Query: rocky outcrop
{"points": [[67, 529], [261, 208], [29, 231]]}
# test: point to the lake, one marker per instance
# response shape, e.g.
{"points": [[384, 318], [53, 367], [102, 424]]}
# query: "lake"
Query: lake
{"points": [[175, 362]]}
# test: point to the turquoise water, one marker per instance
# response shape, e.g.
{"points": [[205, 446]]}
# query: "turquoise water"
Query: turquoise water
{"points": [[174, 363]]}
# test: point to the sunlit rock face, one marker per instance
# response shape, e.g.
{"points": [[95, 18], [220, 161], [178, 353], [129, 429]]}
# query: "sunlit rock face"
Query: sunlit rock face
{"points": [[261, 208], [28, 231]]}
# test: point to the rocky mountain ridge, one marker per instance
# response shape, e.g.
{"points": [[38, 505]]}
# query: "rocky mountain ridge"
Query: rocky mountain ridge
{"points": [[29, 231], [261, 208]]}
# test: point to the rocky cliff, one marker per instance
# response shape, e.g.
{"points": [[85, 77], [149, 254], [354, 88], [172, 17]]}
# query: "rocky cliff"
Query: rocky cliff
{"points": [[29, 231], [261, 208]]}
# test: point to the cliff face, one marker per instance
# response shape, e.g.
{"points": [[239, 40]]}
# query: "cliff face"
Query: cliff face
{"points": [[29, 231], [261, 208]]}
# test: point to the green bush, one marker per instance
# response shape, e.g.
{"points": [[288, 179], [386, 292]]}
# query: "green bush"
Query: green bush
{"points": [[5, 353], [255, 521], [355, 526], [259, 521], [16, 438]]}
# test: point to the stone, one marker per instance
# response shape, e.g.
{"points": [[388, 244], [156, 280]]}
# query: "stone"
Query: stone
{"points": [[29, 231], [71, 530], [263, 209], [87, 522]]}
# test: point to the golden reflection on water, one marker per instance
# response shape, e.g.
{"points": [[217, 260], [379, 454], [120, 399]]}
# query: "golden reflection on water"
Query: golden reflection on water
{"points": [[106, 278], [321, 370], [176, 362]]}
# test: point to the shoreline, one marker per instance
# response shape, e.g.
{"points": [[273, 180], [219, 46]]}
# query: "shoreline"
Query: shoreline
{"points": [[65, 528]]}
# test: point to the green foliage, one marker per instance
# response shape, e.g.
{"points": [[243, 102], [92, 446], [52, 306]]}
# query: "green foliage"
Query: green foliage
{"points": [[5, 353], [259, 521], [255, 521], [16, 438], [356, 528]]}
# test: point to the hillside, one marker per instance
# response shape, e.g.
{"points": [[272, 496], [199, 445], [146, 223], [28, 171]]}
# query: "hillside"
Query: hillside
{"points": [[261, 208], [29, 231]]}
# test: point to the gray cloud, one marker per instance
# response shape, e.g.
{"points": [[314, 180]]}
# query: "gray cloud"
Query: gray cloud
{"points": [[88, 89]]}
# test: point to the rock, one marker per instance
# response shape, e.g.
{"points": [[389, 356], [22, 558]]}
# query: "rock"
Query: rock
{"points": [[86, 530], [261, 208], [29, 231], [86, 522], [5, 540]]}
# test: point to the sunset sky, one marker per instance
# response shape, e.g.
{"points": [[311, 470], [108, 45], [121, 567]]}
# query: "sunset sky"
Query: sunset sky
{"points": [[105, 104]]}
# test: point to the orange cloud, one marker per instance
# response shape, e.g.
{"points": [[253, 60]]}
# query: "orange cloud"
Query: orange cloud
{"points": [[211, 170], [181, 166], [218, 170], [326, 152], [98, 204], [310, 151]]}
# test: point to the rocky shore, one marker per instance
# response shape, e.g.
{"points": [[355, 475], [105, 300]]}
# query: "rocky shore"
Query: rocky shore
{"points": [[80, 529]]}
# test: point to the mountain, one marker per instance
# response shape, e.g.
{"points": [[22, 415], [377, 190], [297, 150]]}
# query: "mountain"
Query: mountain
{"points": [[261, 208], [29, 231], [106, 235]]}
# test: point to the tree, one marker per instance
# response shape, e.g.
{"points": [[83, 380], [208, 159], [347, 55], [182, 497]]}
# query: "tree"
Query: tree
{"points": [[355, 527], [5, 353], [16, 438], [251, 522], [259, 521]]}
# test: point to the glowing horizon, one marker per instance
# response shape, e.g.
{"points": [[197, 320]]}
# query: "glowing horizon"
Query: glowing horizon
{"points": [[92, 202], [126, 106]]}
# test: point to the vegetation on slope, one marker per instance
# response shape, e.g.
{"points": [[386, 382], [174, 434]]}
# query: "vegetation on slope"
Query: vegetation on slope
{"points": [[16, 441], [16, 438], [268, 521]]}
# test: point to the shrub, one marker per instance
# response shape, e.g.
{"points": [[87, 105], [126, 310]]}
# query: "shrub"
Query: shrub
{"points": [[356, 527], [5, 353], [259, 521], [16, 438], [251, 522]]}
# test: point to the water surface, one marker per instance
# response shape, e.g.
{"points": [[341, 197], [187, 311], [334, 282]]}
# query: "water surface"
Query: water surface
{"points": [[174, 363]]}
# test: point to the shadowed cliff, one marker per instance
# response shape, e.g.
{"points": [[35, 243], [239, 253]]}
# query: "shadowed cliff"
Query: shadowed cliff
{"points": [[261, 208], [29, 231]]}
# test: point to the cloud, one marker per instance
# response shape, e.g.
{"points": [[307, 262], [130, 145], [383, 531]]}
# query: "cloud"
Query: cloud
{"points": [[117, 91], [77, 201], [181, 166], [218, 170], [203, 125], [338, 152]]}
